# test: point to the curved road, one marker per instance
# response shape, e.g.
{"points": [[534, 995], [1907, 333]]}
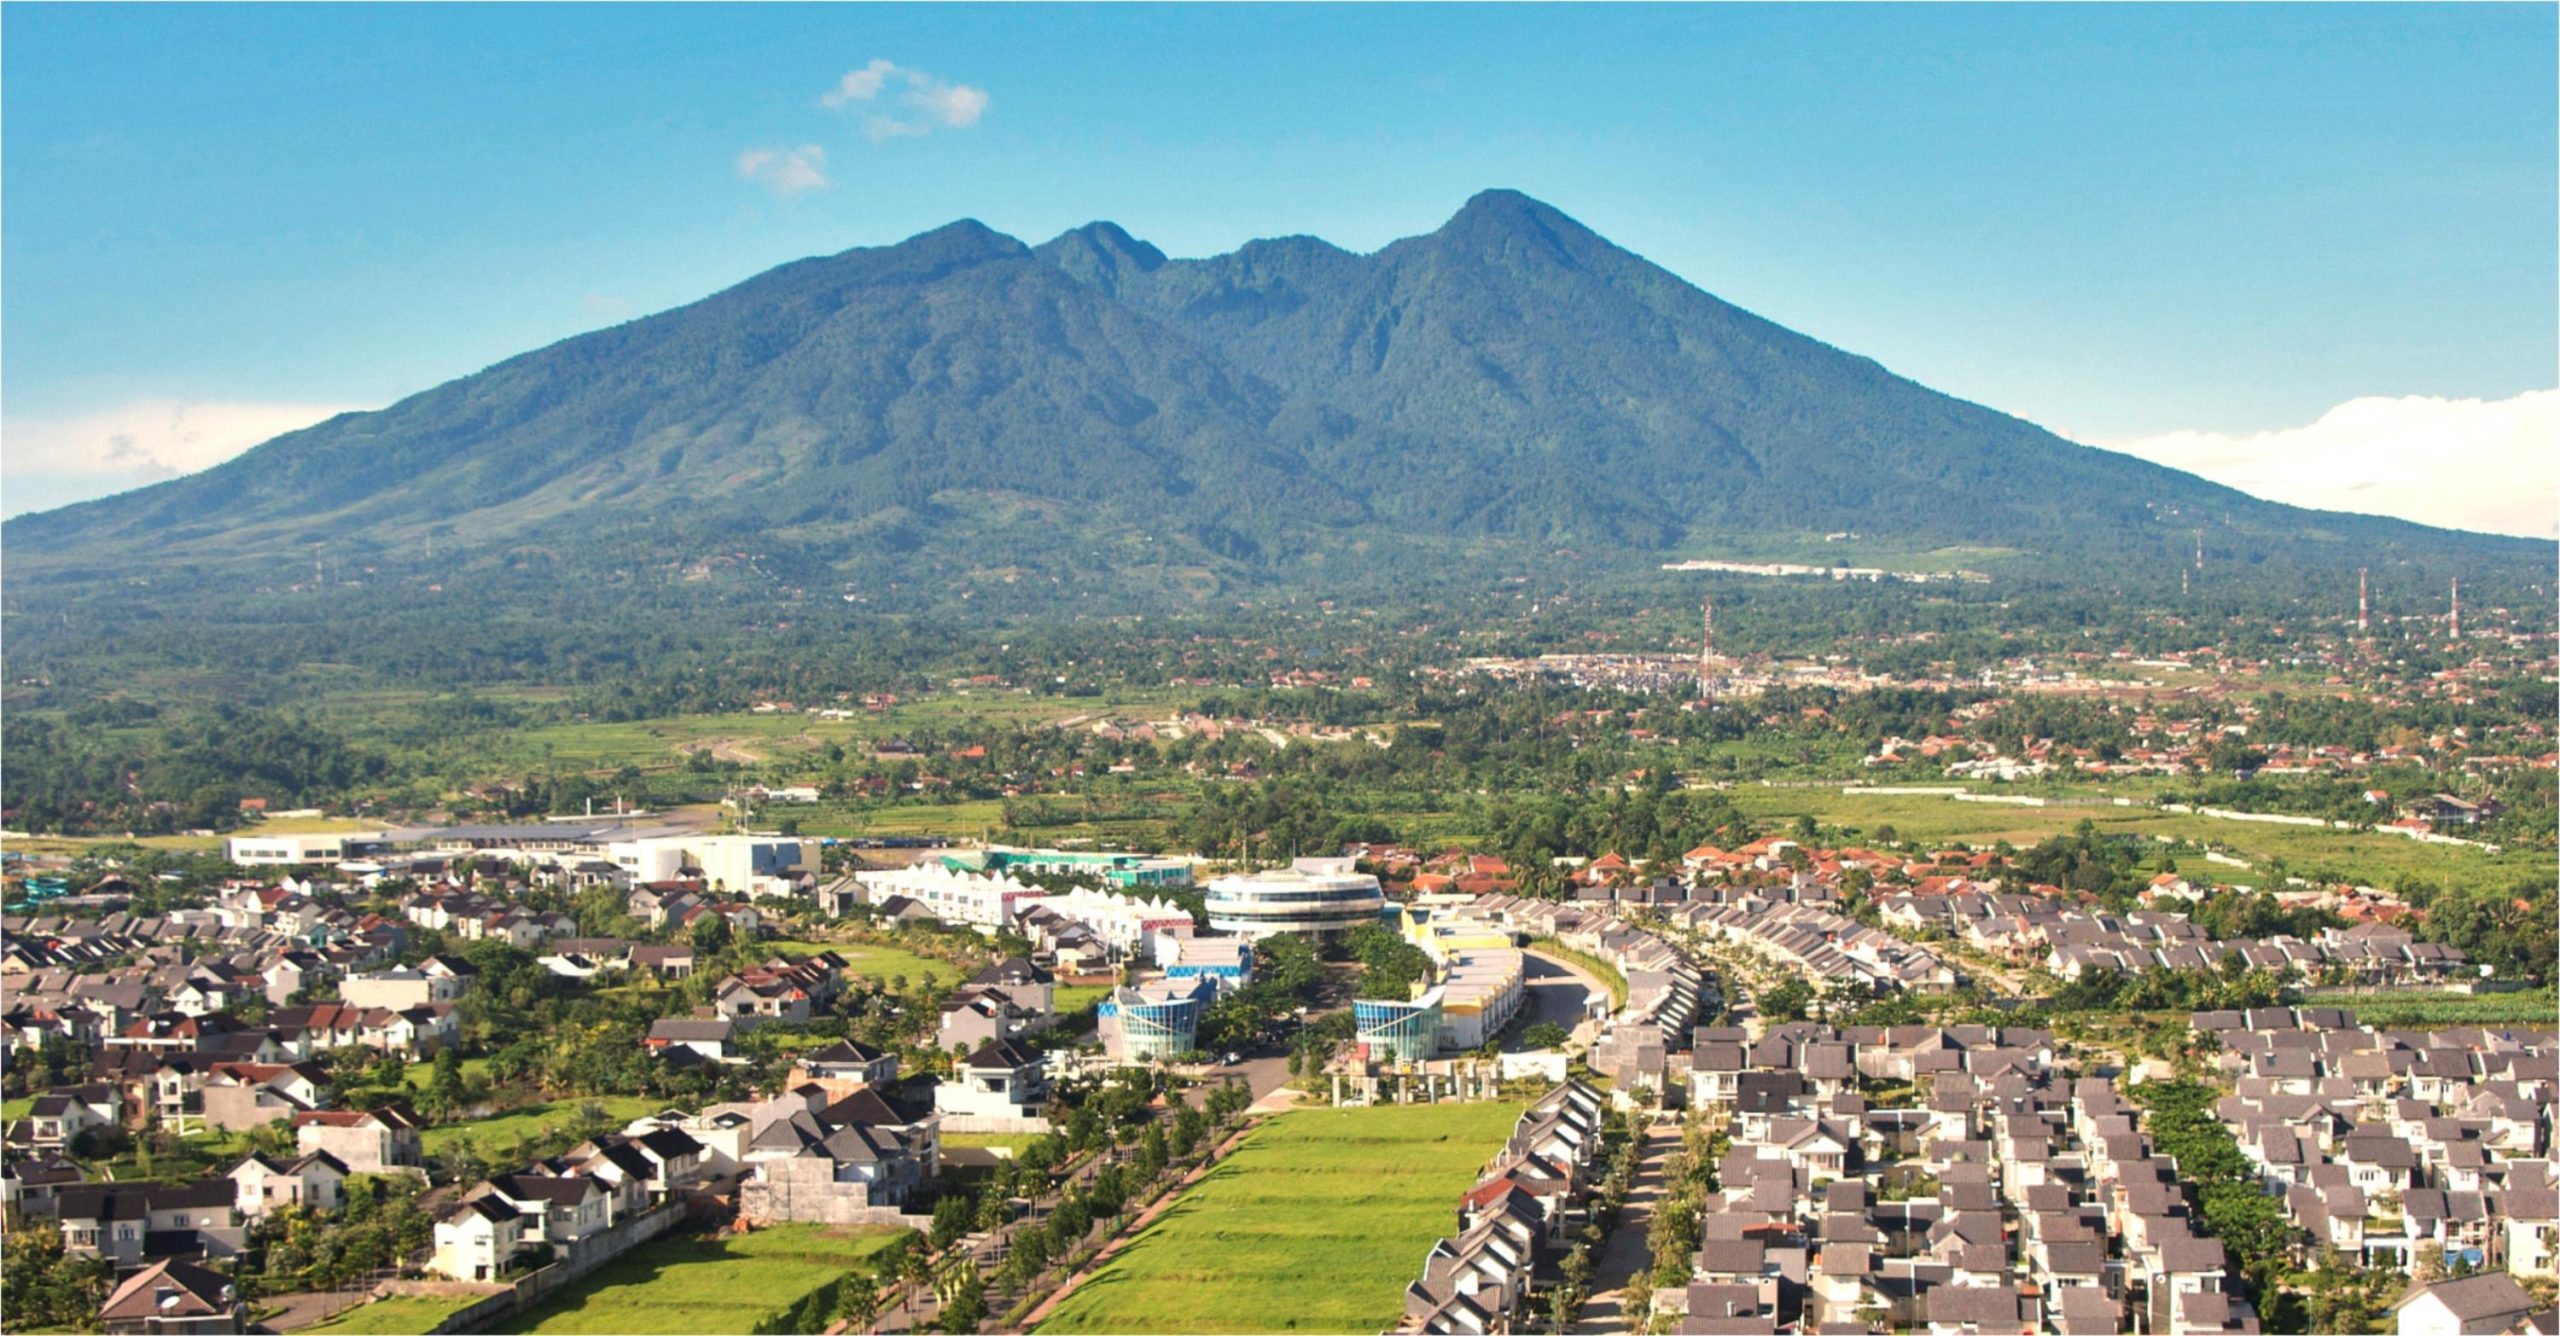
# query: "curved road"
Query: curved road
{"points": [[1558, 991]]}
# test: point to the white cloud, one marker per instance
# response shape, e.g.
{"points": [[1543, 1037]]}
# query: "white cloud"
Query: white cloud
{"points": [[2489, 465], [928, 101], [861, 85], [785, 171], [956, 105], [55, 461]]}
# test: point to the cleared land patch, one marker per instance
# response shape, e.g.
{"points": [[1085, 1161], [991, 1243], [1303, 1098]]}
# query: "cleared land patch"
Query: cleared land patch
{"points": [[496, 1135], [400, 1315], [2371, 858], [781, 1278], [1315, 1224]]}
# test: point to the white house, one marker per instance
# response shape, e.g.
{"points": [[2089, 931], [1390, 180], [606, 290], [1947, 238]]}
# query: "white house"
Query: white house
{"points": [[2487, 1303], [476, 1239]]}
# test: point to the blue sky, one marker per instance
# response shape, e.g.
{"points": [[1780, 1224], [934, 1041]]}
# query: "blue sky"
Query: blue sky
{"points": [[2121, 222]]}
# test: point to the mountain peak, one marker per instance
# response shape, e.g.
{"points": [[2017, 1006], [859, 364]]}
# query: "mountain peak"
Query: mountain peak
{"points": [[1501, 215], [1099, 254], [966, 239]]}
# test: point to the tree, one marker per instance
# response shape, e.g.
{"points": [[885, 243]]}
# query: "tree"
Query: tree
{"points": [[445, 1088], [48, 1290], [858, 1300], [966, 1306], [951, 1217], [1544, 1034], [710, 935], [1786, 1002], [1153, 1155]]}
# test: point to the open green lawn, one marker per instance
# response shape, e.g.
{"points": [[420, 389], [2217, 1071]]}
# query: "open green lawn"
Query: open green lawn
{"points": [[878, 962], [1007, 1141], [495, 1135], [2364, 857], [13, 1110], [416, 1075], [1071, 998], [1316, 1224], [400, 1315], [713, 1286]]}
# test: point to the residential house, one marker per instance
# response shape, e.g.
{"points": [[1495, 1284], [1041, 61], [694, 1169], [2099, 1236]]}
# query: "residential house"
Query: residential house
{"points": [[367, 1141], [173, 1298], [315, 1181]]}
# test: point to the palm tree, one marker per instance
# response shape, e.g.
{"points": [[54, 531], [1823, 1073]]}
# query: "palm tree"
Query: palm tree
{"points": [[914, 1271]]}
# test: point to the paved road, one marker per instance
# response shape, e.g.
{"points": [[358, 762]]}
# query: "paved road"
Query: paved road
{"points": [[1556, 992], [1264, 1070], [1627, 1252]]}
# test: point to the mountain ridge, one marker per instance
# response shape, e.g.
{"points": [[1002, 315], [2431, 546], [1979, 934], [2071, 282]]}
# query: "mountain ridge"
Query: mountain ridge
{"points": [[1288, 414]]}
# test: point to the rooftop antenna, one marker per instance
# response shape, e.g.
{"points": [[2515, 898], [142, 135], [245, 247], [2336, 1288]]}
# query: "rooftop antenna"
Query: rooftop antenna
{"points": [[2364, 619]]}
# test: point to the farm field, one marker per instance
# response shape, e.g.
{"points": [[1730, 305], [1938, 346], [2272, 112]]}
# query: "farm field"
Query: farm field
{"points": [[1316, 1224], [400, 1315], [2364, 857], [497, 1135], [724, 1286], [743, 735]]}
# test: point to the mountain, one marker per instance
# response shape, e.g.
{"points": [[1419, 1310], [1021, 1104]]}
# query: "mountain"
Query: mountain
{"points": [[1509, 390]]}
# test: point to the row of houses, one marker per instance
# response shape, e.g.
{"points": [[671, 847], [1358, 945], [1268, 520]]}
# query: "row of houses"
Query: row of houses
{"points": [[1006, 999], [129, 1224], [1666, 992], [2071, 941], [1516, 1216], [564, 1204], [1999, 1199], [2385, 1144]]}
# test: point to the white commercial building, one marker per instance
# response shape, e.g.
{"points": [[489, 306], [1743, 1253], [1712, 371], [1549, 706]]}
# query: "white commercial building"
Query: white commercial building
{"points": [[297, 850], [1480, 991], [1122, 921], [985, 903], [1319, 896], [751, 865]]}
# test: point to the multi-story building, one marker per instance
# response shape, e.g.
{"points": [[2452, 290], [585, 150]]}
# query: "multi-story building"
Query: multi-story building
{"points": [[1156, 1019], [1321, 897], [1392, 1031], [989, 904], [1125, 871]]}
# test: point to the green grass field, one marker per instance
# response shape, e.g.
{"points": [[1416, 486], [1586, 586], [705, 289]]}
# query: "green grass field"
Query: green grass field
{"points": [[1071, 998], [716, 1287], [1007, 1141], [416, 1075], [2421, 1010], [400, 1315], [877, 962], [2363, 857], [496, 1135], [1316, 1224]]}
